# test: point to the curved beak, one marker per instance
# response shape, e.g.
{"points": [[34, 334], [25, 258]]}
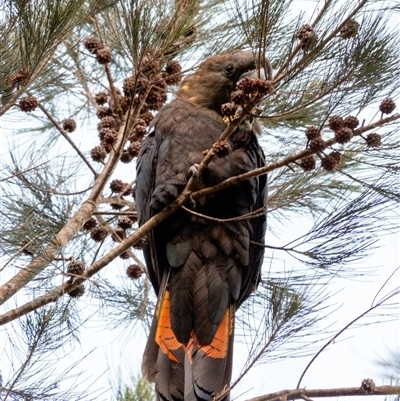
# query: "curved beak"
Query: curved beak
{"points": [[263, 70], [253, 74]]}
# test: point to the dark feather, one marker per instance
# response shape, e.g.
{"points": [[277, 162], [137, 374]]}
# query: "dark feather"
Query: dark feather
{"points": [[202, 270]]}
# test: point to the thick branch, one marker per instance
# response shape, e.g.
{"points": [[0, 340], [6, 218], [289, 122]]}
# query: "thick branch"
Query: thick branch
{"points": [[54, 295], [37, 265], [24, 276], [330, 392], [85, 211]]}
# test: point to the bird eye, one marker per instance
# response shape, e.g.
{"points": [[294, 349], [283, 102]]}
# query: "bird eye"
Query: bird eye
{"points": [[229, 69]]}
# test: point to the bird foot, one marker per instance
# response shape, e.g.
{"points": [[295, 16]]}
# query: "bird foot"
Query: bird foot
{"points": [[192, 202], [194, 172]]}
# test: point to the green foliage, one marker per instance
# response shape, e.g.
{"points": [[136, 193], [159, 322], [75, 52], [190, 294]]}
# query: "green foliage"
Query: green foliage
{"points": [[140, 390]]}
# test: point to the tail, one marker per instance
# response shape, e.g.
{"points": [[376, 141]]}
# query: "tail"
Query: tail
{"points": [[193, 371], [164, 356], [208, 367]]}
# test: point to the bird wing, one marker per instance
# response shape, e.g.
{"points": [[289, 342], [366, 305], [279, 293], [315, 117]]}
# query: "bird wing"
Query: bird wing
{"points": [[202, 269]]}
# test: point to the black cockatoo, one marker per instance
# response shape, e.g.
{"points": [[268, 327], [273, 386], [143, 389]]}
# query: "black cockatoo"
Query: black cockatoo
{"points": [[201, 269]]}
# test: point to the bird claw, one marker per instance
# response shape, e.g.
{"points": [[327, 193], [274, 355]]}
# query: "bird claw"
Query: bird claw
{"points": [[194, 172], [194, 169]]}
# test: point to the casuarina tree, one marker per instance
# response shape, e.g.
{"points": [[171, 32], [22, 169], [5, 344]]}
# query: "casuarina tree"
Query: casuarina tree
{"points": [[179, 128]]}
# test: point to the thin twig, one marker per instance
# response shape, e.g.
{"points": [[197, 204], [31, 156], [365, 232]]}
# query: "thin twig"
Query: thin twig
{"points": [[23, 248], [24, 172], [114, 95], [313, 100], [298, 47], [255, 213], [321, 45], [284, 162], [383, 285], [32, 349], [54, 192], [262, 40], [377, 305], [67, 137], [79, 74], [126, 213]]}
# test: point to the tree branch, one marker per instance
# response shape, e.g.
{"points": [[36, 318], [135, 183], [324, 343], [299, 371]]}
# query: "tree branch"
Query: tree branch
{"points": [[37, 265], [62, 238], [285, 162], [330, 392]]}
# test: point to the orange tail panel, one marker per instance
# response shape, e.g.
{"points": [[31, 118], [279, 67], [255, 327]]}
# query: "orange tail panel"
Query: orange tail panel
{"points": [[165, 337], [218, 348]]}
